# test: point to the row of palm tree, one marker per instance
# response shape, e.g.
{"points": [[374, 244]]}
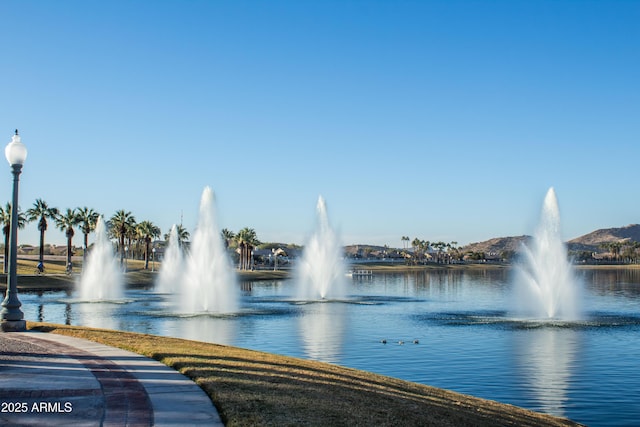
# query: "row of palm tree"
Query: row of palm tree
{"points": [[622, 250], [122, 226], [246, 241], [444, 252]]}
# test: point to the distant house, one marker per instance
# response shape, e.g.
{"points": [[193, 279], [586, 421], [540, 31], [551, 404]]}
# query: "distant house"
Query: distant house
{"points": [[26, 249]]}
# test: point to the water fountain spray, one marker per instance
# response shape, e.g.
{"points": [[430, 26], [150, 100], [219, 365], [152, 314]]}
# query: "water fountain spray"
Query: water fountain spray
{"points": [[321, 272], [545, 286], [101, 278], [208, 283]]}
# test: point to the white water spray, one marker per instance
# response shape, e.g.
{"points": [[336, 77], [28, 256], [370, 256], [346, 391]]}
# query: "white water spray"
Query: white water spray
{"points": [[101, 277], [172, 266], [321, 272], [209, 283], [545, 284]]}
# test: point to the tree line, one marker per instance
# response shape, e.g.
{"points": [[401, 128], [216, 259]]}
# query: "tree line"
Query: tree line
{"points": [[443, 252], [130, 235]]}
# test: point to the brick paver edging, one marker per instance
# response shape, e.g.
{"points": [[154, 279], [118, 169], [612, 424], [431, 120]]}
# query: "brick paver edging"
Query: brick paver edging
{"points": [[126, 400]]}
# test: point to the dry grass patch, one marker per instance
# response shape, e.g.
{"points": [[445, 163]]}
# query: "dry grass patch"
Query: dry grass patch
{"points": [[252, 388]]}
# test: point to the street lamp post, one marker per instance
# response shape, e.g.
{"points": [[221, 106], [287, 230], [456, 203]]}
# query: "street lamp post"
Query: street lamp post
{"points": [[11, 315], [153, 259]]}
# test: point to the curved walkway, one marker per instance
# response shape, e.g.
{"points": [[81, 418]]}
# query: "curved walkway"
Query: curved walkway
{"points": [[56, 380]]}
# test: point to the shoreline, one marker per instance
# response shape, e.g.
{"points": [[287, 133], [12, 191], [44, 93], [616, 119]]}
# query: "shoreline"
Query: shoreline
{"points": [[144, 279], [254, 398]]}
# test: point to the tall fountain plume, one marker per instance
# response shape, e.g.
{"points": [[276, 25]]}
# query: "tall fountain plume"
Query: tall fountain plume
{"points": [[172, 265], [209, 283], [101, 277], [321, 272], [545, 283]]}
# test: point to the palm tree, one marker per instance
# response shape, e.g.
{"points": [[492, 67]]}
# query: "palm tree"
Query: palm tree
{"points": [[405, 241], [40, 212], [439, 246], [453, 251], [227, 236], [247, 240], [628, 250], [147, 231], [417, 246], [183, 235], [613, 248], [121, 224], [66, 222], [88, 218], [5, 219], [425, 248]]}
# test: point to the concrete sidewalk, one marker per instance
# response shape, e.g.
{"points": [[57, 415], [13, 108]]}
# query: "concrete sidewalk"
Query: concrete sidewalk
{"points": [[55, 380]]}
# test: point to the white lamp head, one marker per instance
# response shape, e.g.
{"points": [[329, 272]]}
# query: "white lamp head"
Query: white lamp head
{"points": [[15, 151]]}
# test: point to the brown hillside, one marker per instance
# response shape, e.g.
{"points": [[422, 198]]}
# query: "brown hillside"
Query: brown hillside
{"points": [[593, 240], [497, 245]]}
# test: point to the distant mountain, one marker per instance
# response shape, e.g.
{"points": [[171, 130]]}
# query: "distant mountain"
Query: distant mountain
{"points": [[497, 245], [591, 242]]}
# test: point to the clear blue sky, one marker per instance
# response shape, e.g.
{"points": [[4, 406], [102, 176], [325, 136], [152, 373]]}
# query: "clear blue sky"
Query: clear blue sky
{"points": [[442, 120]]}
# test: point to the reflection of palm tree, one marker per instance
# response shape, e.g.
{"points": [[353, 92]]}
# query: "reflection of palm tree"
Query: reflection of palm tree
{"points": [[147, 231], [5, 219], [121, 225], [88, 219], [66, 222], [40, 212], [247, 240]]}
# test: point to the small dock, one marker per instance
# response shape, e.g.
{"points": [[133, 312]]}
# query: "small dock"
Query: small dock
{"points": [[360, 273]]}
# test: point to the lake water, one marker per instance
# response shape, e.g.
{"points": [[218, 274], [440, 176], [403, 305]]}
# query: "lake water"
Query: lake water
{"points": [[466, 340]]}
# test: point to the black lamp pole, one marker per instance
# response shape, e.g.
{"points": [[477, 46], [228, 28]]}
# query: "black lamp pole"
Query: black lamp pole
{"points": [[12, 318]]}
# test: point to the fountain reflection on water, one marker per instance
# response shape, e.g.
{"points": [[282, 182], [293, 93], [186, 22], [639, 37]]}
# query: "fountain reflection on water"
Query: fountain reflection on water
{"points": [[322, 330], [321, 271], [545, 285], [546, 359]]}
